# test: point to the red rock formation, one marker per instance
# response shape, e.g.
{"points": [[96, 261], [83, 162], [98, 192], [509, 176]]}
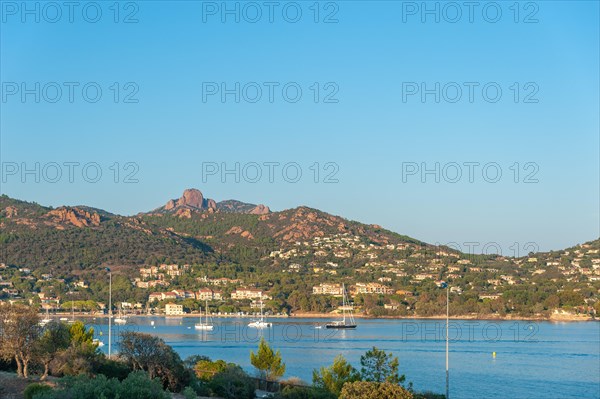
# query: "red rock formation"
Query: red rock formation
{"points": [[11, 212], [76, 216], [260, 210]]}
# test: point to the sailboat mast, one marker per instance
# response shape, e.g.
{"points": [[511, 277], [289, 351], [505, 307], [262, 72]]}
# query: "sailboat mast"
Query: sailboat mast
{"points": [[206, 311], [344, 302]]}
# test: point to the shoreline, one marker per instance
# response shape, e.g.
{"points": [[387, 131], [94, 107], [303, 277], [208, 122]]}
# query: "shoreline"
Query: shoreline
{"points": [[552, 318]]}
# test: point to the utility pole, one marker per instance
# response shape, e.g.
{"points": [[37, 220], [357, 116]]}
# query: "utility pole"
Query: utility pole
{"points": [[109, 311], [447, 341]]}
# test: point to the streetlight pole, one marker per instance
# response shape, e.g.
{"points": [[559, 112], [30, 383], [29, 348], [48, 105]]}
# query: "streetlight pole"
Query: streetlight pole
{"points": [[109, 311], [447, 340]]}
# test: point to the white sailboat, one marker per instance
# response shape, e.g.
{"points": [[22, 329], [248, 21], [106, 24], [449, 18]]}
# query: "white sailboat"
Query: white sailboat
{"points": [[347, 317], [120, 319], [260, 323], [45, 320], [207, 325]]}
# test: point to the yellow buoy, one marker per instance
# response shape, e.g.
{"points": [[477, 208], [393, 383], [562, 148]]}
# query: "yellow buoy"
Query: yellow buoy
{"points": [[494, 354]]}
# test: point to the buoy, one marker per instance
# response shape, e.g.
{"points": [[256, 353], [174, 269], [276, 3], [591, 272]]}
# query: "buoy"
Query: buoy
{"points": [[494, 354]]}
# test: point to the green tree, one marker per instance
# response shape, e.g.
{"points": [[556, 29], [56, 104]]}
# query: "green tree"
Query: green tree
{"points": [[267, 362], [55, 339], [206, 369], [151, 354], [19, 332], [378, 366], [334, 377], [374, 390]]}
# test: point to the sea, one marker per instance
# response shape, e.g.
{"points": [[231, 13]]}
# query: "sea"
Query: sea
{"points": [[486, 359]]}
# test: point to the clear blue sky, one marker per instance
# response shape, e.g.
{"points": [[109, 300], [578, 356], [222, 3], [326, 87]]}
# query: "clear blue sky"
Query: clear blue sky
{"points": [[369, 54]]}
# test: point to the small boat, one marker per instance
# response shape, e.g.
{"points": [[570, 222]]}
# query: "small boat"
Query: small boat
{"points": [[260, 323], [317, 327], [45, 320], [207, 325], [120, 319], [347, 321], [98, 343], [63, 319]]}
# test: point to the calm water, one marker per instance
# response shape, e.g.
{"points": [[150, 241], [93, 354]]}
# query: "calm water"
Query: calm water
{"points": [[533, 359]]}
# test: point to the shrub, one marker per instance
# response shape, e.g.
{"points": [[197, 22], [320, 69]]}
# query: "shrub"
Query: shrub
{"points": [[206, 369], [304, 393], [428, 395], [189, 393], [374, 390], [151, 354], [33, 389], [232, 383], [83, 387], [112, 368], [136, 386]]}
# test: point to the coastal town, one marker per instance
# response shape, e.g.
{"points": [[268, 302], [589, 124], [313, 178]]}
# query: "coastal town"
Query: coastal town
{"points": [[393, 273]]}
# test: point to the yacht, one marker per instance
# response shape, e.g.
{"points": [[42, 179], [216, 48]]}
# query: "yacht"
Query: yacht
{"points": [[347, 317], [207, 325], [260, 323]]}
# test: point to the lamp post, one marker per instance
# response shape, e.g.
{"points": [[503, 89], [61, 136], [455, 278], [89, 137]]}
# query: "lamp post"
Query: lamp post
{"points": [[447, 340], [109, 311], [443, 284]]}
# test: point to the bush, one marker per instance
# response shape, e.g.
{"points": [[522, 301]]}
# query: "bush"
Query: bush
{"points": [[374, 390], [304, 393], [137, 385], [83, 387], [34, 389], [232, 383], [112, 368], [206, 369], [189, 393], [151, 354], [428, 395]]}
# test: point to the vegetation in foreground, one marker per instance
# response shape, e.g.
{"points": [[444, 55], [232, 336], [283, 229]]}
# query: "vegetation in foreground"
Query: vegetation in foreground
{"points": [[148, 368]]}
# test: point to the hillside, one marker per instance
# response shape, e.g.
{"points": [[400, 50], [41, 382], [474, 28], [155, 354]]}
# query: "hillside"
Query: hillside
{"points": [[289, 254]]}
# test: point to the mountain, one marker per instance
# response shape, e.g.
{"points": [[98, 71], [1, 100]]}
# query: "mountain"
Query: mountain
{"points": [[75, 238], [193, 200], [191, 228], [286, 253]]}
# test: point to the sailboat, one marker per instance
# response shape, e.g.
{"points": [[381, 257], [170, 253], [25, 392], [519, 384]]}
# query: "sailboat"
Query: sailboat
{"points": [[347, 317], [46, 320], [207, 325], [120, 318], [260, 323]]}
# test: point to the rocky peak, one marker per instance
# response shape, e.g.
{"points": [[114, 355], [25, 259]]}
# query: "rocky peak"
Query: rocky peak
{"points": [[75, 216], [260, 209], [193, 200]]}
